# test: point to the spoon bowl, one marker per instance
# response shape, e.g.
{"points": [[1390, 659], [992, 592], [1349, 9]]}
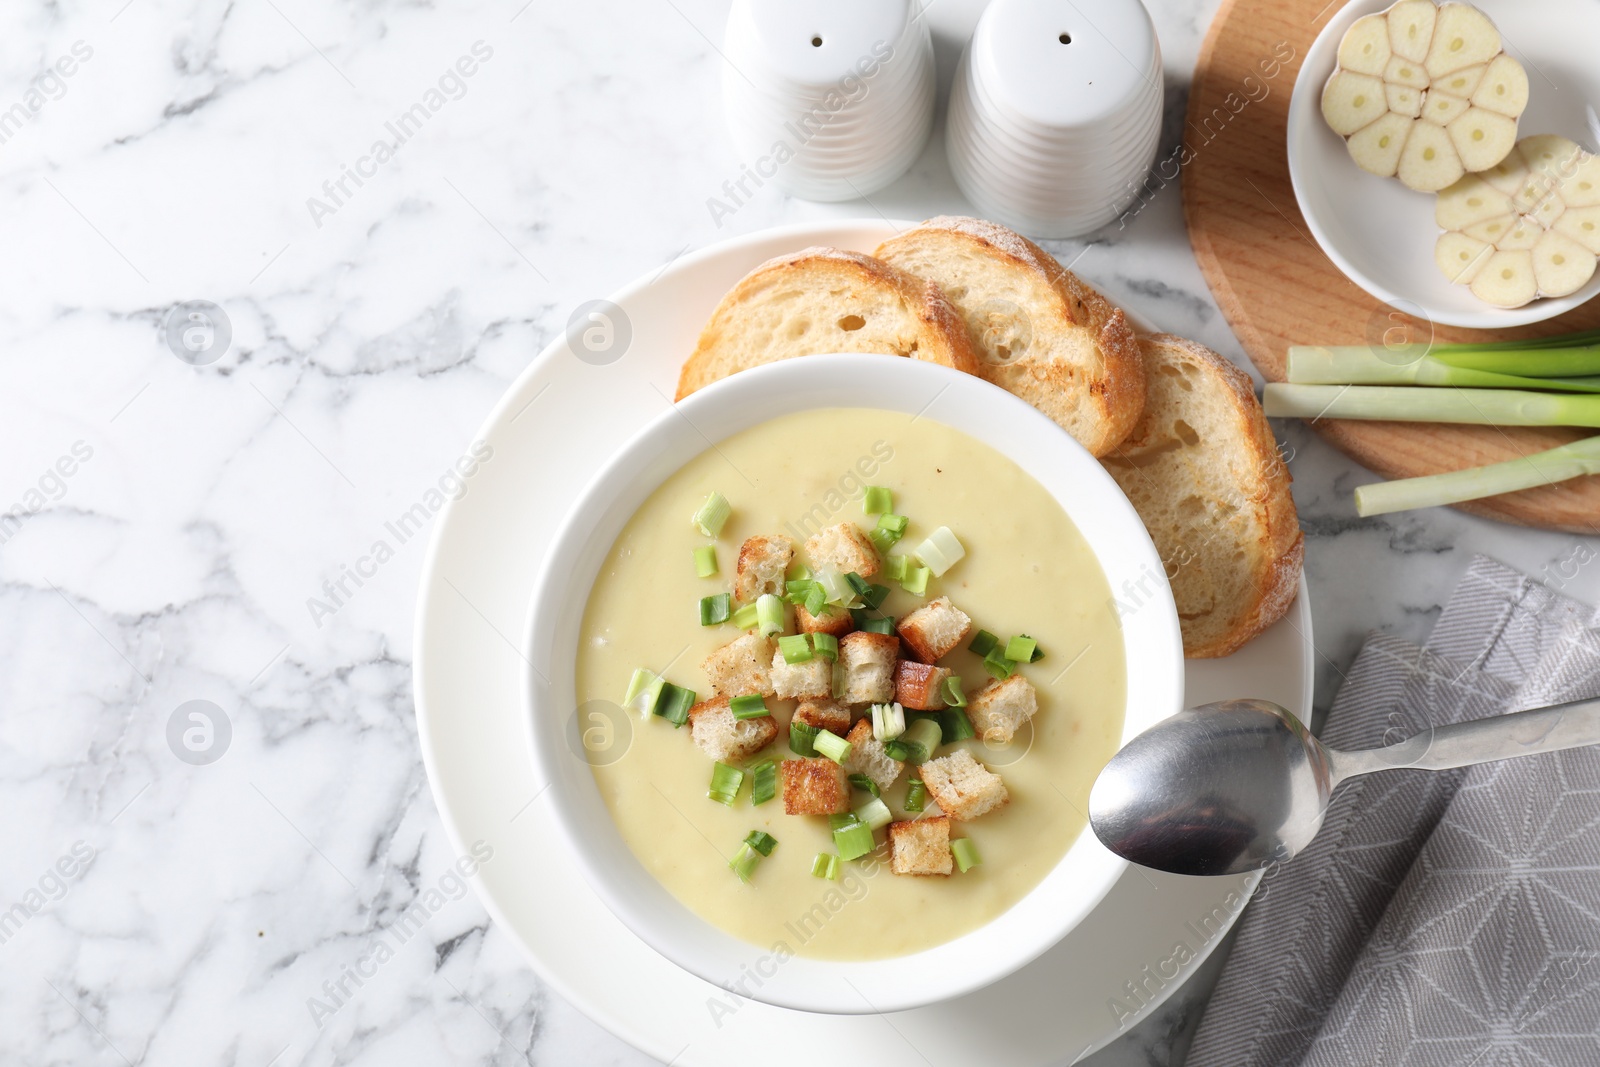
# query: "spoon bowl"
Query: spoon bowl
{"points": [[1245, 786]]}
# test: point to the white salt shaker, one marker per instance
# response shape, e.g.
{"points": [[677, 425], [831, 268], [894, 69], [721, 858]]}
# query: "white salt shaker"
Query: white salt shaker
{"points": [[828, 99], [1055, 115]]}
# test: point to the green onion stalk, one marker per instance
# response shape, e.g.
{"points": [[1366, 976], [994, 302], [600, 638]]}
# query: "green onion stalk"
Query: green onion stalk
{"points": [[1526, 472]]}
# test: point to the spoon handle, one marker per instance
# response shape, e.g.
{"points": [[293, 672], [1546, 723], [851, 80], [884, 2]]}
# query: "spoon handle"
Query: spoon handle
{"points": [[1464, 744]]}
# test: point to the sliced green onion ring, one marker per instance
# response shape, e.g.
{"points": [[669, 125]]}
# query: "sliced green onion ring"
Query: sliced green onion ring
{"points": [[715, 608], [744, 862], [916, 581], [826, 865], [712, 514], [1021, 649], [826, 646], [795, 648], [955, 726], [916, 795], [761, 841], [802, 739], [921, 739], [865, 784], [725, 783], [745, 618], [875, 814], [769, 614], [705, 561], [940, 551], [763, 781], [750, 706], [952, 692], [674, 704], [965, 854], [983, 642], [877, 500], [888, 721], [831, 745], [854, 841]]}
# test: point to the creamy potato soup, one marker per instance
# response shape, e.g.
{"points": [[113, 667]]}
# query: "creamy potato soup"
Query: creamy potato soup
{"points": [[1026, 570]]}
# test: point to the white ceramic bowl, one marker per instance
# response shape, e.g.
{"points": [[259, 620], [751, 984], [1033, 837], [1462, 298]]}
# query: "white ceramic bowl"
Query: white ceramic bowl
{"points": [[969, 404], [1381, 234]]}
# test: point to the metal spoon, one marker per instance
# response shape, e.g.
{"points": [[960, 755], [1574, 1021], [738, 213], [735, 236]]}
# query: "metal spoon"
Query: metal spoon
{"points": [[1242, 784]]}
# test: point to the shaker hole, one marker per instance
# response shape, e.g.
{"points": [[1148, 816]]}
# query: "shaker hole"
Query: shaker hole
{"points": [[1065, 38], [816, 42]]}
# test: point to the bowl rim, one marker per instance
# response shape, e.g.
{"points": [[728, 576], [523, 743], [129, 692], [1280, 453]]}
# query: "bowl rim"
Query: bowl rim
{"points": [[1304, 122], [966, 403]]}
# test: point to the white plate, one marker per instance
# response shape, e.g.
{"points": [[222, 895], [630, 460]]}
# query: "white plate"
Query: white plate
{"points": [[550, 432], [1381, 234]]}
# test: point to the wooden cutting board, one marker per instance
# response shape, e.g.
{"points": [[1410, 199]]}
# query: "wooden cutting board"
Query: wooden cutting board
{"points": [[1276, 287]]}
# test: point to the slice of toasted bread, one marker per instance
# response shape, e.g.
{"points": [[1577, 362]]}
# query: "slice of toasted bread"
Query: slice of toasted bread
{"points": [[1203, 470], [826, 300], [1039, 331]]}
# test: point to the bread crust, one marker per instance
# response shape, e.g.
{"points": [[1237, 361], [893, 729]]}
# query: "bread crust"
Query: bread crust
{"points": [[1281, 544], [1119, 393], [941, 335]]}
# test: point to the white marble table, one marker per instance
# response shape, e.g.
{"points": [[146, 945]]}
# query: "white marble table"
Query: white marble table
{"points": [[205, 533]]}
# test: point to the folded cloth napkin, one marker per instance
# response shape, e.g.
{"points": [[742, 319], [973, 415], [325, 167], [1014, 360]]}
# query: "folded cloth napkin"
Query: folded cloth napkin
{"points": [[1438, 918]]}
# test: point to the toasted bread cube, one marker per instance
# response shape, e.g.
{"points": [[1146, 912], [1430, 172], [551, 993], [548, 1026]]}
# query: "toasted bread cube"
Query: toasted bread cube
{"points": [[921, 846], [762, 564], [724, 738], [811, 680], [919, 686], [741, 666], [829, 715], [868, 660], [814, 787], [999, 709], [844, 548], [833, 620], [868, 757], [935, 629], [964, 788]]}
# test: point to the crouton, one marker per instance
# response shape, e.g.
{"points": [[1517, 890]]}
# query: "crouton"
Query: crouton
{"points": [[814, 787], [844, 548], [963, 787], [919, 686], [934, 629], [833, 620], [811, 680], [920, 846], [868, 660], [826, 715], [999, 709], [740, 666], [868, 757], [762, 563], [724, 738]]}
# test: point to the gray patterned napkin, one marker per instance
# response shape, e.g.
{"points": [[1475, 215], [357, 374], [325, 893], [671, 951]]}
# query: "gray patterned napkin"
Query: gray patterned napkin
{"points": [[1439, 918]]}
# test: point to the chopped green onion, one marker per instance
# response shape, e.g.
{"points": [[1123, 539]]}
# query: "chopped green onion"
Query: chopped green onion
{"points": [[763, 781], [802, 739], [875, 814], [826, 865], [952, 692], [750, 706], [744, 862], [877, 501], [725, 783], [955, 726], [865, 784], [983, 642], [795, 590], [888, 721], [882, 540], [744, 618], [816, 599], [1525, 472], [916, 795], [997, 664], [761, 841], [834, 588], [712, 514], [798, 572], [920, 740], [965, 853], [644, 689], [896, 750], [674, 703], [826, 646], [705, 561], [893, 524], [842, 820], [769, 614], [895, 567], [795, 648], [940, 551], [853, 841], [874, 596], [916, 582], [831, 745], [858, 583], [865, 622], [1021, 648], [840, 680], [715, 608]]}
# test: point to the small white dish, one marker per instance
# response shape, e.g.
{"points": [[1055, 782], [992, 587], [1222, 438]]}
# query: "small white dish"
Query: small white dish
{"points": [[1114, 532], [1381, 234]]}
